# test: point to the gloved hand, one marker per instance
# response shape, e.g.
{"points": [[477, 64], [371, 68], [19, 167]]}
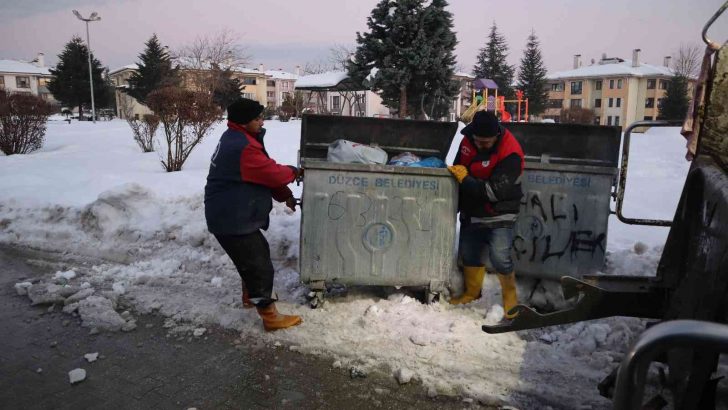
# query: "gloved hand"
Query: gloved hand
{"points": [[291, 203], [458, 171]]}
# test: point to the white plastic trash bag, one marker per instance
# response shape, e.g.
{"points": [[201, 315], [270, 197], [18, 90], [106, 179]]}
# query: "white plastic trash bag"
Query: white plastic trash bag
{"points": [[348, 152]]}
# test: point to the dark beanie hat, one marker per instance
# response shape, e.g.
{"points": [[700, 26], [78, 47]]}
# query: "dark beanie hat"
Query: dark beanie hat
{"points": [[244, 110], [484, 124]]}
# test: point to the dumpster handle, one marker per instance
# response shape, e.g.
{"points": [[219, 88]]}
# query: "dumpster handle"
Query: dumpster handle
{"points": [[712, 44], [623, 172]]}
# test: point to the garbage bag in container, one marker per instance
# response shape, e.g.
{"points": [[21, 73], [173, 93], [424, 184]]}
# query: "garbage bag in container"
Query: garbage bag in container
{"points": [[348, 152]]}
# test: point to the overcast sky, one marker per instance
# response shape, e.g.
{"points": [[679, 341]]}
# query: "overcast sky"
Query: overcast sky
{"points": [[286, 33]]}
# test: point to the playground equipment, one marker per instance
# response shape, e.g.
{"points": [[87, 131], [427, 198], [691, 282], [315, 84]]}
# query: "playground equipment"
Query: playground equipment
{"points": [[483, 100]]}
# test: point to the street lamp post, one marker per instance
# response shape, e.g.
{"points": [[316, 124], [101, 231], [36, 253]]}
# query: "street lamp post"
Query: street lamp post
{"points": [[93, 17]]}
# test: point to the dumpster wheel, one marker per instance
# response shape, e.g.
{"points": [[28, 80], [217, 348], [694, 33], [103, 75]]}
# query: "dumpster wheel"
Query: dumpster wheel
{"points": [[316, 299]]}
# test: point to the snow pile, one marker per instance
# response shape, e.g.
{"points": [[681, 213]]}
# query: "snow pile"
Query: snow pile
{"points": [[91, 193]]}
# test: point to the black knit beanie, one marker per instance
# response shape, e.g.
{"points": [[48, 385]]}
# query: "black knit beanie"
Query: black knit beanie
{"points": [[244, 110]]}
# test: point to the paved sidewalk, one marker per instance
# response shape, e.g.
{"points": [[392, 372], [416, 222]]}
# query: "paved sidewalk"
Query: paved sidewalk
{"points": [[144, 369]]}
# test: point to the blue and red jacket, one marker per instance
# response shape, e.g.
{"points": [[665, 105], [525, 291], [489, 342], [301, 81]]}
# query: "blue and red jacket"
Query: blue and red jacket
{"points": [[492, 189], [242, 182]]}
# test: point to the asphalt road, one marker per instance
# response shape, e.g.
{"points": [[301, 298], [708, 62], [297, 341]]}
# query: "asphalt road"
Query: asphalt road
{"points": [[145, 369]]}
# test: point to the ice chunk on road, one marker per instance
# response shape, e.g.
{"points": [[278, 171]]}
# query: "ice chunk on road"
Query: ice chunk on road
{"points": [[77, 376], [91, 357]]}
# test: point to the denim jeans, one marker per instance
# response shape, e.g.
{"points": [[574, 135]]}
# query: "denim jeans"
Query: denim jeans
{"points": [[476, 239]]}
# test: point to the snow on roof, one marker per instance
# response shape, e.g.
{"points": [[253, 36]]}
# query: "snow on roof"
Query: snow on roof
{"points": [[126, 67], [462, 74], [281, 75], [14, 66], [623, 68], [327, 79]]}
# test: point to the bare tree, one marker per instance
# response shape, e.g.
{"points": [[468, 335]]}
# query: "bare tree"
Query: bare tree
{"points": [[207, 56], [186, 117], [22, 122], [340, 56], [316, 67], [687, 61], [144, 129], [577, 116]]}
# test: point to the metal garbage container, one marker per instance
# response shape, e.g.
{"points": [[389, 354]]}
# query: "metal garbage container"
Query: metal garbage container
{"points": [[379, 225], [569, 179]]}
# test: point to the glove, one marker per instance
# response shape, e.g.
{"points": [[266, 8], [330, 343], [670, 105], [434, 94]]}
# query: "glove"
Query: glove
{"points": [[458, 171], [291, 203]]}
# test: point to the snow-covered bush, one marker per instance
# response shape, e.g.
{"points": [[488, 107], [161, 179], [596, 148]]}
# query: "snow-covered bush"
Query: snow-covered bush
{"points": [[22, 122]]}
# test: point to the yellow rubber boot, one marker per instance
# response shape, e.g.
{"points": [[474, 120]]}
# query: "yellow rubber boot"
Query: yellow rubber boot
{"points": [[510, 296], [272, 320], [473, 276]]}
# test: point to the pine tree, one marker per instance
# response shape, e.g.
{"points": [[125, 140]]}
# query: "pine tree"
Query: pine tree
{"points": [[491, 63], [675, 104], [227, 87], [154, 70], [532, 76], [410, 44], [70, 84]]}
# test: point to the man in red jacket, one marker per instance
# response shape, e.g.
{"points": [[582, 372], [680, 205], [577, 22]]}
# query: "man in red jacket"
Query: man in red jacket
{"points": [[241, 184], [488, 167]]}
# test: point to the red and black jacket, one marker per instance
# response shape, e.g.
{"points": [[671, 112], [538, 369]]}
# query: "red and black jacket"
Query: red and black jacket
{"points": [[493, 185], [242, 182]]}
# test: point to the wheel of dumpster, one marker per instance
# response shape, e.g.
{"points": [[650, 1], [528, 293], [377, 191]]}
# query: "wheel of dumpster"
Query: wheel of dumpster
{"points": [[316, 299]]}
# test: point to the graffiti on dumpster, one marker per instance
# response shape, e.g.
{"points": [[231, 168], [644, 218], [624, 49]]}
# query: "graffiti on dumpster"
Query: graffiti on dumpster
{"points": [[549, 229]]}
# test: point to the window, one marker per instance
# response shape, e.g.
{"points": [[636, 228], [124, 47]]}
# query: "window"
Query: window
{"points": [[285, 95], [648, 118], [611, 84], [609, 120], [271, 94], [271, 83], [619, 102], [2, 82], [598, 103], [336, 103], [555, 103], [249, 81], [362, 100], [576, 87], [598, 85], [557, 86], [575, 103], [249, 96], [619, 84], [597, 120], [651, 84], [616, 120], [649, 103], [660, 101], [663, 85], [611, 102], [22, 82]]}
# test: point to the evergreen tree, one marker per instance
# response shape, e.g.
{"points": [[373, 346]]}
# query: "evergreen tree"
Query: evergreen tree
{"points": [[410, 44], [491, 63], [154, 70], [227, 87], [532, 76], [675, 104], [70, 84]]}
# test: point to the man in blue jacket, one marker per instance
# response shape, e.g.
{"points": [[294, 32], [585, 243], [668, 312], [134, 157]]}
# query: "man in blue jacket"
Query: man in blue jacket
{"points": [[241, 184]]}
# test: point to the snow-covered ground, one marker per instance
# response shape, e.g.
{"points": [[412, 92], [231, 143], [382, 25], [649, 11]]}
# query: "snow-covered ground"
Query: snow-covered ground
{"points": [[91, 192]]}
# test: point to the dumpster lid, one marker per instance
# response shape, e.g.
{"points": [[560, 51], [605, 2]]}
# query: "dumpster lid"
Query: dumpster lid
{"points": [[422, 138], [568, 143]]}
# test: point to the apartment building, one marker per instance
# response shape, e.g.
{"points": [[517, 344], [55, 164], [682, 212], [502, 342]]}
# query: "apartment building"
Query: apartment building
{"points": [[619, 91], [280, 84], [26, 77]]}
